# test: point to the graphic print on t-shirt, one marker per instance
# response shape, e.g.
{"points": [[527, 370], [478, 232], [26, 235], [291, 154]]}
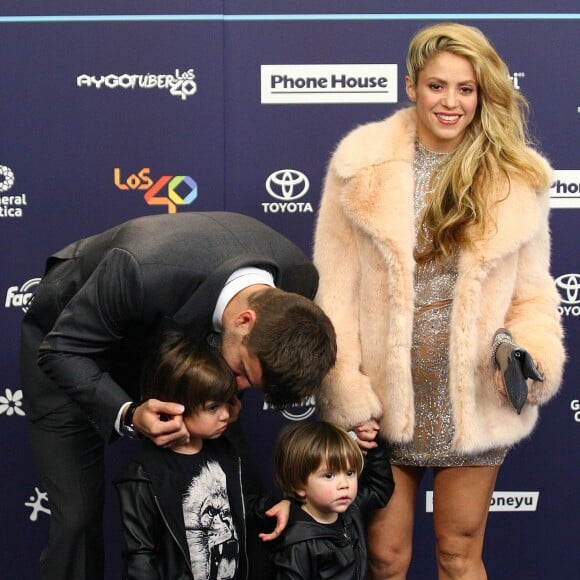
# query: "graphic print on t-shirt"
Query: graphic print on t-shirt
{"points": [[209, 526]]}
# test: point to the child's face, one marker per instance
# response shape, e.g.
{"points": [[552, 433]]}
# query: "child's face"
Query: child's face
{"points": [[209, 422], [328, 493]]}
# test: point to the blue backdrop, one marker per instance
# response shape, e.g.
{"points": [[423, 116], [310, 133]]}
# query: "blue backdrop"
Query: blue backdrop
{"points": [[111, 110]]}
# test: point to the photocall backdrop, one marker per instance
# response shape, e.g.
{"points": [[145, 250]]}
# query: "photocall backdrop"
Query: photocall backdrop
{"points": [[109, 111]]}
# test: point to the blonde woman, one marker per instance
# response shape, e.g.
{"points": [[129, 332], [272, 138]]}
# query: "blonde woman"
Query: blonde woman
{"points": [[433, 249]]}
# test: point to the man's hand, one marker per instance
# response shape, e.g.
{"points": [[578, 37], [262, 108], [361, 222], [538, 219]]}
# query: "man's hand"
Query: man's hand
{"points": [[280, 511], [161, 422]]}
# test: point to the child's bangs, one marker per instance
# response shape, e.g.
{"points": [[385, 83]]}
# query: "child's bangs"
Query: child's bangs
{"points": [[342, 455]]}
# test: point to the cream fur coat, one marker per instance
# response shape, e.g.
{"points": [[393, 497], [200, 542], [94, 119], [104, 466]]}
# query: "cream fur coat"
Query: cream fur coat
{"points": [[363, 250]]}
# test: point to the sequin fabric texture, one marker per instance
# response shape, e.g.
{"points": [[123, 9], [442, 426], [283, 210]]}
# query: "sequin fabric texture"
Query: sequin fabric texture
{"points": [[434, 284]]}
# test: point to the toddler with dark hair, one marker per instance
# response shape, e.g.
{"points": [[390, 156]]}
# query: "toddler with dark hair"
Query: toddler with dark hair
{"points": [[332, 487], [184, 508]]}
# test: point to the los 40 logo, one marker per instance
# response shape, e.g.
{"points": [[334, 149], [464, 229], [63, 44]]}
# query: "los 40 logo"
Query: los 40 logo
{"points": [[169, 190]]}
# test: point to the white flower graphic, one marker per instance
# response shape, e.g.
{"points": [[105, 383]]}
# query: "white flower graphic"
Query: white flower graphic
{"points": [[11, 403]]}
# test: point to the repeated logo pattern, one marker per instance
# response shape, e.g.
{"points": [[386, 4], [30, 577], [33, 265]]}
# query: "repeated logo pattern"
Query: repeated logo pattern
{"points": [[6, 178]]}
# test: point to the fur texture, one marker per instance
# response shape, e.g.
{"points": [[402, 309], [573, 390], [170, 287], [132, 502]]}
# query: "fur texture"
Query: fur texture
{"points": [[364, 253]]}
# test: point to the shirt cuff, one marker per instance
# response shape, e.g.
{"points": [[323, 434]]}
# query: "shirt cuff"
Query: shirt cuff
{"points": [[119, 416]]}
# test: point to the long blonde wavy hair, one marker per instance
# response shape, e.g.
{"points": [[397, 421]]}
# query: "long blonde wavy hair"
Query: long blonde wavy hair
{"points": [[494, 146]]}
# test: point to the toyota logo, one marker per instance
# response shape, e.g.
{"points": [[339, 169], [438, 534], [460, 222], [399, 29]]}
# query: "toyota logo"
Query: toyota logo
{"points": [[287, 184], [569, 286]]}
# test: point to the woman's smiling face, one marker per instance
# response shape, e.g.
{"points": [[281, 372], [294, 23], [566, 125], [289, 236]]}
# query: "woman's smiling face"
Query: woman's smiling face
{"points": [[445, 97]]}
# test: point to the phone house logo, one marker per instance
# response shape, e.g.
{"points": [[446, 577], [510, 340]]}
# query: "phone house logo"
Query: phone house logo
{"points": [[328, 83], [565, 190]]}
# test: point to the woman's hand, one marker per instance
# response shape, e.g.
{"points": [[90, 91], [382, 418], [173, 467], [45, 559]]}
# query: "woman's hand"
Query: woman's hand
{"points": [[365, 434], [517, 371]]}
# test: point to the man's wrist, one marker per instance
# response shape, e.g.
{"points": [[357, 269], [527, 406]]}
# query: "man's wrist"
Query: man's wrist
{"points": [[127, 427]]}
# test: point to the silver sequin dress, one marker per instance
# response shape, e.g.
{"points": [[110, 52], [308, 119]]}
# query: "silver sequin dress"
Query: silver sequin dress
{"points": [[434, 284]]}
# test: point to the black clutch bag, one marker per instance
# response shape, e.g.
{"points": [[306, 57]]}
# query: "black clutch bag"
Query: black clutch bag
{"points": [[519, 367]]}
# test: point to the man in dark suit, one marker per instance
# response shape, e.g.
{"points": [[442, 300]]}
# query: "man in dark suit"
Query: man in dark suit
{"points": [[218, 276]]}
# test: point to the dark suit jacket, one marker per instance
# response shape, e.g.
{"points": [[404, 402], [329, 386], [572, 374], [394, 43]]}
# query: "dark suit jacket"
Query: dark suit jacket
{"points": [[102, 298]]}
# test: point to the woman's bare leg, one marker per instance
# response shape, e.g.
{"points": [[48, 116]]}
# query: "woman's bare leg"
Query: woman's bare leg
{"points": [[461, 499], [390, 532]]}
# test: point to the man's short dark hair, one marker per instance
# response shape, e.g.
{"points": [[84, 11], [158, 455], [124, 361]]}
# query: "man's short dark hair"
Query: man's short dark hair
{"points": [[295, 343]]}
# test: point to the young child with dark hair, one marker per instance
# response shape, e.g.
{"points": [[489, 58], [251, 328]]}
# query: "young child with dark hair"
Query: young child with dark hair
{"points": [[333, 487], [184, 508]]}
